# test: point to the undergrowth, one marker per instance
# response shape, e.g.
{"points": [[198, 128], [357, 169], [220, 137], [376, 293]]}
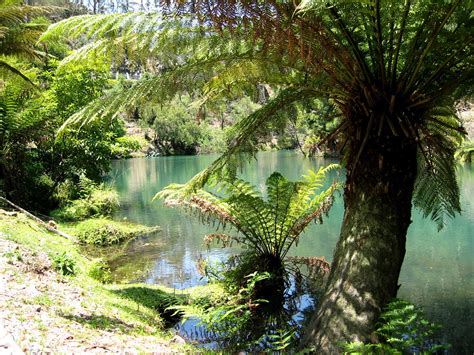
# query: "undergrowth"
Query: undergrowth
{"points": [[94, 200], [402, 329]]}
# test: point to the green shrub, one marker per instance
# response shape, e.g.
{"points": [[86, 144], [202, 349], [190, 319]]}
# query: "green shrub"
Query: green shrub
{"points": [[65, 192], [96, 200], [104, 201], [64, 264], [99, 270], [103, 235], [124, 146], [105, 232], [75, 211]]}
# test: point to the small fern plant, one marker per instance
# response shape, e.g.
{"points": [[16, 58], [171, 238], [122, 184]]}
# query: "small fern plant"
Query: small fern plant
{"points": [[267, 226], [404, 329]]}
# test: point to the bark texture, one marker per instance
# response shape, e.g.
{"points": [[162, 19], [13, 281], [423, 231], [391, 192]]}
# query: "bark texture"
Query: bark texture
{"points": [[371, 248]]}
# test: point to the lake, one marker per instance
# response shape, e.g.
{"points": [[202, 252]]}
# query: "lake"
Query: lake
{"points": [[437, 273]]}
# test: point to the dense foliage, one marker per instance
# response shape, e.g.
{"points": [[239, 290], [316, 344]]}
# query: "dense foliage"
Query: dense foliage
{"points": [[391, 69], [34, 161], [403, 328], [224, 63], [20, 28], [84, 200]]}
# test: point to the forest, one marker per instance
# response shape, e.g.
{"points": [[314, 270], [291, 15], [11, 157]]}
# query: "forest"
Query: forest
{"points": [[236, 175]]}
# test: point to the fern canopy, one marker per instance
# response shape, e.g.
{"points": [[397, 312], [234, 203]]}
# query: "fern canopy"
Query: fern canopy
{"points": [[268, 226], [391, 68], [20, 29]]}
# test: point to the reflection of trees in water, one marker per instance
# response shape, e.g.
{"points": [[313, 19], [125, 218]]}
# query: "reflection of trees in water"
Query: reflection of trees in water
{"points": [[262, 325]]}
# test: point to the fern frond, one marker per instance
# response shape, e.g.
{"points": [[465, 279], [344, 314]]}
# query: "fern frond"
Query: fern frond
{"points": [[436, 191], [245, 131], [15, 13], [6, 68], [133, 39], [19, 33], [269, 226]]}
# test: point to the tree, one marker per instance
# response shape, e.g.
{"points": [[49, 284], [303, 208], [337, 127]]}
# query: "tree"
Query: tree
{"points": [[392, 68], [266, 227]]}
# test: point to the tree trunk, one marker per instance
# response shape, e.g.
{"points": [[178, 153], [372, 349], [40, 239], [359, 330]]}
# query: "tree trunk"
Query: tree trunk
{"points": [[371, 248]]}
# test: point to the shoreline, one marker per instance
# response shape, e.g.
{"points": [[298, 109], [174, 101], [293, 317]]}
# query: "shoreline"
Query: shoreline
{"points": [[44, 311]]}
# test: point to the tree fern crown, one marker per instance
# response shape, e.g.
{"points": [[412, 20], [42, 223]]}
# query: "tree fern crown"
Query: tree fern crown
{"points": [[268, 225]]}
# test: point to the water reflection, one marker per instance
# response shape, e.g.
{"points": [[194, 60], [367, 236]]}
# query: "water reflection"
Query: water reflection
{"points": [[437, 272], [266, 327]]}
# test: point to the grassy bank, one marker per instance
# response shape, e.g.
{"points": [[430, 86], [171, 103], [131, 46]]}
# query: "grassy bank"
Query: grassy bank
{"points": [[105, 232], [47, 311]]}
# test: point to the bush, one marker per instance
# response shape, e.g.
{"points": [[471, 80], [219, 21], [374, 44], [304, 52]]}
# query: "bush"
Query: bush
{"points": [[64, 264], [65, 192], [104, 201], [96, 200], [34, 162], [99, 270], [125, 146], [105, 232]]}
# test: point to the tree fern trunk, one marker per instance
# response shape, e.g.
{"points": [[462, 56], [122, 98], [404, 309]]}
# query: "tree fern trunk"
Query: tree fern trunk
{"points": [[371, 248]]}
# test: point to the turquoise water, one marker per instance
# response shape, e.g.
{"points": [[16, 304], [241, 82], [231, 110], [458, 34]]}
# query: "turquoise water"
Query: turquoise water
{"points": [[437, 273]]}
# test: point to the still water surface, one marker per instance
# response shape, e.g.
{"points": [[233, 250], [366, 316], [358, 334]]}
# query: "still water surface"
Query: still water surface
{"points": [[437, 273]]}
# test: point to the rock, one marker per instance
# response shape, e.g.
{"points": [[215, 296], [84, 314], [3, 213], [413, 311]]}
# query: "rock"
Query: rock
{"points": [[178, 340]]}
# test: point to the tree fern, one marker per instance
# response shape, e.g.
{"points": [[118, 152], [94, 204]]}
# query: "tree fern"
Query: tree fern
{"points": [[13, 122], [386, 66], [267, 226]]}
